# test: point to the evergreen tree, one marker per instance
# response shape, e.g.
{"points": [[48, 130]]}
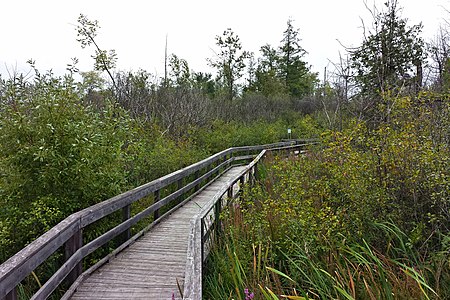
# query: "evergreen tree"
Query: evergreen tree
{"points": [[267, 80], [291, 68], [230, 61], [391, 57]]}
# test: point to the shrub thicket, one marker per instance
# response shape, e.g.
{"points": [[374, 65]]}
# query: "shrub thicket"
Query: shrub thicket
{"points": [[313, 217]]}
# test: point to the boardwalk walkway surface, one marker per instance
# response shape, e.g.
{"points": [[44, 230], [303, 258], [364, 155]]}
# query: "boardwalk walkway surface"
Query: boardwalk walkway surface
{"points": [[151, 267]]}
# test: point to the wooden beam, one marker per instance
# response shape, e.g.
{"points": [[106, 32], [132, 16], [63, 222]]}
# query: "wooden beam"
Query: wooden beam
{"points": [[15, 269], [71, 247], [157, 197]]}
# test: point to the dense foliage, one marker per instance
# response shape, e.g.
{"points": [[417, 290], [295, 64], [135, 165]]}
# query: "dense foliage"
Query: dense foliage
{"points": [[368, 198], [366, 214]]}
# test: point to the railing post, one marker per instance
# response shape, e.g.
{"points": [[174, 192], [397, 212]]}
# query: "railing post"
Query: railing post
{"points": [[251, 175], [157, 196], [217, 210], [12, 295], [197, 175], [202, 241], [230, 192], [126, 214], [179, 187], [70, 247]]}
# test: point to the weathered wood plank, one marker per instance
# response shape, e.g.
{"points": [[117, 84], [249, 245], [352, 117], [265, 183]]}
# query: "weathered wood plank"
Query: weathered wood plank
{"points": [[19, 266], [158, 257], [15, 269]]}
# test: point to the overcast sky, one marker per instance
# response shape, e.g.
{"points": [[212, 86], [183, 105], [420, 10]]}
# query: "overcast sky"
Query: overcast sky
{"points": [[45, 30]]}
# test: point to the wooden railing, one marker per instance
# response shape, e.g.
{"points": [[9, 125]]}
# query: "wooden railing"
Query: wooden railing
{"points": [[172, 190], [206, 223]]}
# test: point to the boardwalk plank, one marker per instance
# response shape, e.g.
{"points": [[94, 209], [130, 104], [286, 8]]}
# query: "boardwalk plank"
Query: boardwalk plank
{"points": [[150, 268]]}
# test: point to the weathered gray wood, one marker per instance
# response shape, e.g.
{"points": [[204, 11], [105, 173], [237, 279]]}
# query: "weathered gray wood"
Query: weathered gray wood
{"points": [[193, 288], [146, 264], [20, 265], [157, 196], [126, 214], [194, 261], [15, 269], [100, 210], [12, 295], [72, 246]]}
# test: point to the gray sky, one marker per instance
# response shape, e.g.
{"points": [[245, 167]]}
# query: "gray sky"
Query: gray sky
{"points": [[45, 30]]}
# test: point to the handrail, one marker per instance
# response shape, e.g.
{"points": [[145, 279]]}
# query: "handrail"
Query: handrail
{"points": [[68, 233], [201, 231]]}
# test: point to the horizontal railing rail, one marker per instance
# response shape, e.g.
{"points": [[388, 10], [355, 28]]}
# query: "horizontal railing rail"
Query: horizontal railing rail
{"points": [[207, 222], [68, 234]]}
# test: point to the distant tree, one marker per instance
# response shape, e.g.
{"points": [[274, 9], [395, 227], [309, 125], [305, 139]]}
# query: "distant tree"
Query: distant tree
{"points": [[104, 60], [204, 82], [92, 88], [179, 71], [229, 61], [439, 50], [292, 69], [390, 57], [267, 81], [136, 92]]}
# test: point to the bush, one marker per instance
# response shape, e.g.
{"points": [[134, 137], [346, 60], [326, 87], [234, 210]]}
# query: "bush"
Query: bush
{"points": [[315, 214], [58, 156]]}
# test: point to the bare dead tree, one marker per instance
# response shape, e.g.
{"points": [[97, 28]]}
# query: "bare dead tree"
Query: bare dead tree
{"points": [[439, 49], [180, 108]]}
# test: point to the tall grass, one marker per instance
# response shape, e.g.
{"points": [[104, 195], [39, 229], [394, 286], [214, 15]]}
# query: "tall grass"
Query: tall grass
{"points": [[348, 269]]}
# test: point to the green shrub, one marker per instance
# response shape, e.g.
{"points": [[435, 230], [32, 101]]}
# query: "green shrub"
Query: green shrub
{"points": [[58, 156]]}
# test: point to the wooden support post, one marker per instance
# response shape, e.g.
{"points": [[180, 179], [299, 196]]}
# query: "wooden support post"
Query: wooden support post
{"points": [[202, 238], [70, 247], [179, 186], [251, 175], [157, 196], [230, 193], [217, 211], [241, 185], [126, 214], [197, 186], [12, 295], [255, 172]]}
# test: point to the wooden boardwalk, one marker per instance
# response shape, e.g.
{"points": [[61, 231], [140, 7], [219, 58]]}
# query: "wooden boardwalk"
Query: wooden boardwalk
{"points": [[151, 267]]}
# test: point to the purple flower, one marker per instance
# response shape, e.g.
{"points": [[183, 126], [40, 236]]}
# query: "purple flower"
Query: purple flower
{"points": [[248, 295]]}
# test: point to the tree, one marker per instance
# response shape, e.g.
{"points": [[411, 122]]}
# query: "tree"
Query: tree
{"points": [[104, 60], [136, 93], [390, 57], [230, 61], [439, 50], [179, 71], [205, 83], [292, 69], [267, 81]]}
